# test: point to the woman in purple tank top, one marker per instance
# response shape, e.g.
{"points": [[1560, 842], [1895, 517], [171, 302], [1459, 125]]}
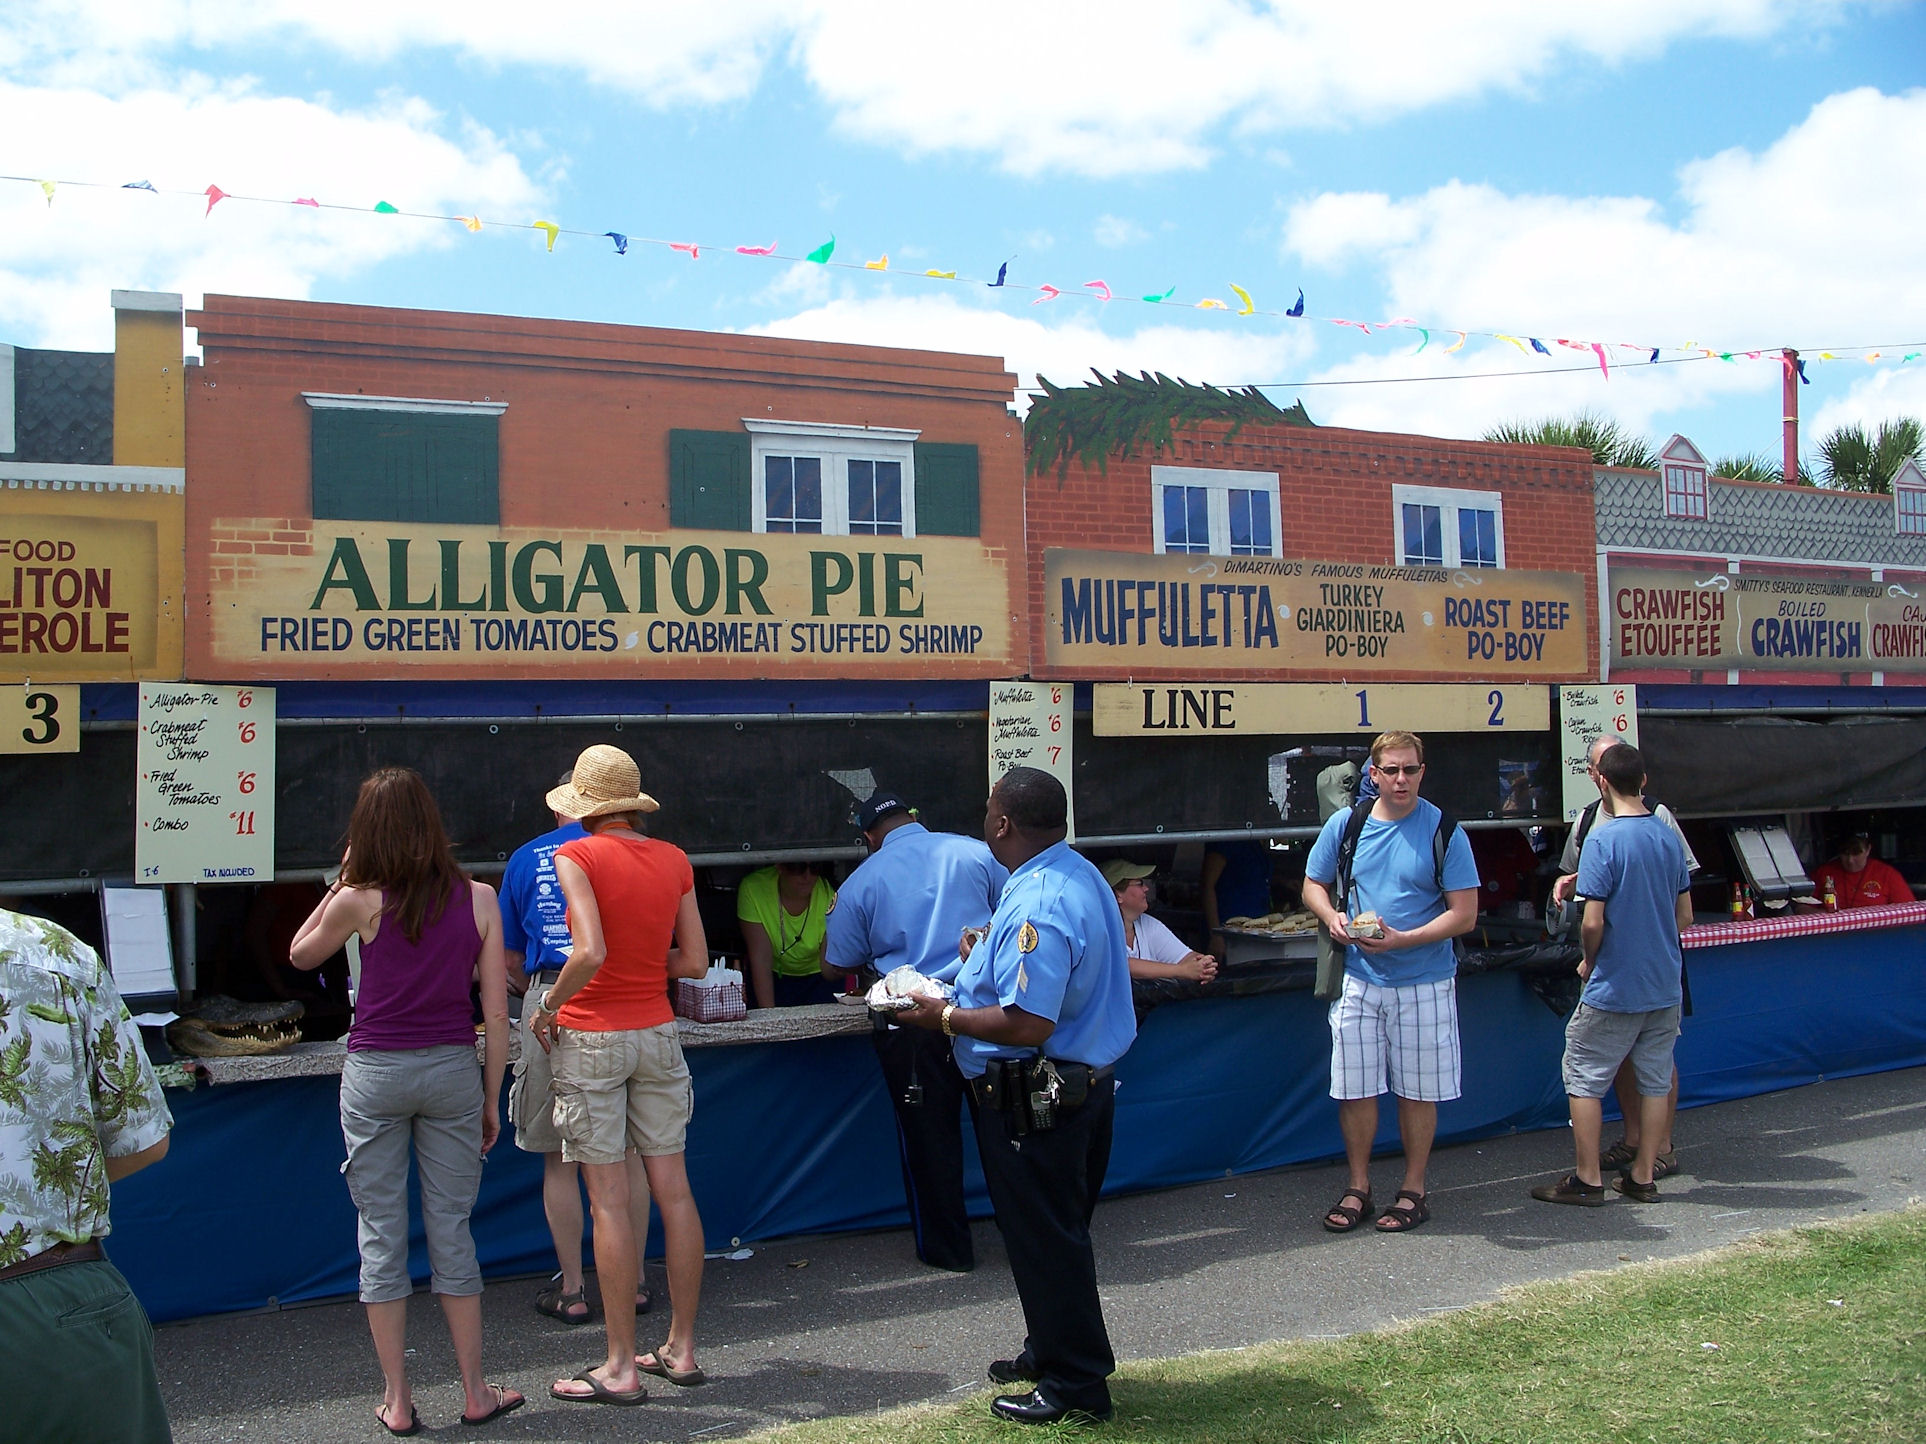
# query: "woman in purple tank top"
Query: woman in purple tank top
{"points": [[427, 934]]}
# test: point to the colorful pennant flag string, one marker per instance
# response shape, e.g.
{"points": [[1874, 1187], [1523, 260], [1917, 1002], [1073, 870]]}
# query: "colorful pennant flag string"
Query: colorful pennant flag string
{"points": [[621, 242]]}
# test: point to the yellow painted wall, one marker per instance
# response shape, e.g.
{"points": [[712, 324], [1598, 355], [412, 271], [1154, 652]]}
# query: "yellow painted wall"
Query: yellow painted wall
{"points": [[149, 429]]}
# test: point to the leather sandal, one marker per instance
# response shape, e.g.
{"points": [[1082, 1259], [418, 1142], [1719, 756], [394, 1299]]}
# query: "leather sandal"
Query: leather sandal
{"points": [[1350, 1215], [1617, 1156], [1399, 1218], [559, 1305]]}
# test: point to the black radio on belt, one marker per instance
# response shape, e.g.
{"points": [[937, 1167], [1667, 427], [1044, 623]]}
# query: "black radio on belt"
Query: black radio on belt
{"points": [[1034, 1090]]}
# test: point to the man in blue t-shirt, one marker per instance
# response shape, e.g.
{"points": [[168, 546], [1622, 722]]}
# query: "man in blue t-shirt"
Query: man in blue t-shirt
{"points": [[535, 926], [1637, 890], [907, 906], [1396, 1022]]}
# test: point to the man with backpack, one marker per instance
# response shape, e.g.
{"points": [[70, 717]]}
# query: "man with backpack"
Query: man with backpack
{"points": [[1565, 889], [1394, 878]]}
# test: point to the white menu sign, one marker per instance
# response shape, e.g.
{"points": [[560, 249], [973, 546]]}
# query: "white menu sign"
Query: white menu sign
{"points": [[206, 796], [1030, 727], [1586, 712]]}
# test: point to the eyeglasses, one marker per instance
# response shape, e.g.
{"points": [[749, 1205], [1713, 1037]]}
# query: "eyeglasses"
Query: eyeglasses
{"points": [[1412, 771]]}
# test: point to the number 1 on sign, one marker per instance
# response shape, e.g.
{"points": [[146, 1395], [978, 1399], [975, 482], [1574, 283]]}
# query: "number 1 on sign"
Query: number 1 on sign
{"points": [[243, 823]]}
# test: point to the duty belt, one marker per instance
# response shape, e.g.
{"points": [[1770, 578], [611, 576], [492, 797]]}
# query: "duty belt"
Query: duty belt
{"points": [[60, 1253], [1007, 1083]]}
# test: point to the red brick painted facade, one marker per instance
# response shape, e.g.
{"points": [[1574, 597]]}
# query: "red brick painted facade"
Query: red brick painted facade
{"points": [[1334, 493], [583, 443]]}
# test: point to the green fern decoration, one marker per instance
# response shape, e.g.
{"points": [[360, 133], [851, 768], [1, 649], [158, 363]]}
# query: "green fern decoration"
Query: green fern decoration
{"points": [[1125, 414]]}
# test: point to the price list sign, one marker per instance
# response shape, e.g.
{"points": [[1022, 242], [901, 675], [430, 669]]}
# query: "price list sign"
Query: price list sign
{"points": [[206, 796], [1030, 727], [1585, 713]]}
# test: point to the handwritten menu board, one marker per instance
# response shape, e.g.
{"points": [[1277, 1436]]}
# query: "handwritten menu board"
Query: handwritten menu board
{"points": [[205, 802], [1585, 713], [1030, 727]]}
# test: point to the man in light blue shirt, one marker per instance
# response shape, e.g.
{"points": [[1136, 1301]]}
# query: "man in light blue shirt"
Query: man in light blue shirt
{"points": [[906, 905], [1638, 899], [1042, 1013], [1396, 1021], [535, 925]]}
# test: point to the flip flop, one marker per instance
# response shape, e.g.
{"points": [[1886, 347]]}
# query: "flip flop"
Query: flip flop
{"points": [[503, 1405], [414, 1424], [651, 1363], [599, 1393]]}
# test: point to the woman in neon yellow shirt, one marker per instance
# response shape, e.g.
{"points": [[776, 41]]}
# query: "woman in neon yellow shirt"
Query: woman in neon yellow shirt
{"points": [[784, 912]]}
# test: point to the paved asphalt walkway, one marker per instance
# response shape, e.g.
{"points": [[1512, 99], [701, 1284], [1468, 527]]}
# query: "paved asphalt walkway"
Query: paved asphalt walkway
{"points": [[841, 1325]]}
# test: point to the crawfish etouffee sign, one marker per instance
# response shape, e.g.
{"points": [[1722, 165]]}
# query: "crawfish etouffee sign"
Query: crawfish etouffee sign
{"points": [[90, 586], [370, 599], [1715, 620], [1118, 609]]}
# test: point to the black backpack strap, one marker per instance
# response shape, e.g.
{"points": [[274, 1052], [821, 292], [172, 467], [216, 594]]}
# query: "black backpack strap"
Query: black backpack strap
{"points": [[1441, 844], [1348, 850], [1585, 821]]}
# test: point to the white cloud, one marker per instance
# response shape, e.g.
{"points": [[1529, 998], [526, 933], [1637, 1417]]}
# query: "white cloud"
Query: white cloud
{"points": [[1101, 89], [1114, 231], [1884, 393], [1811, 242], [1063, 347], [58, 262]]}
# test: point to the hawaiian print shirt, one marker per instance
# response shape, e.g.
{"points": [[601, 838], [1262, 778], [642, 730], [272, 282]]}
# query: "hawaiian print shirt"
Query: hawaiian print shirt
{"points": [[75, 1088]]}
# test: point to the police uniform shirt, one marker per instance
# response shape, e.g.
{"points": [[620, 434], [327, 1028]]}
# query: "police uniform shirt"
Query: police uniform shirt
{"points": [[1055, 949], [909, 901], [534, 915]]}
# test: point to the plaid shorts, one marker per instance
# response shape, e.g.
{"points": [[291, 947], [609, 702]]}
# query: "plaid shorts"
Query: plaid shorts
{"points": [[1406, 1036]]}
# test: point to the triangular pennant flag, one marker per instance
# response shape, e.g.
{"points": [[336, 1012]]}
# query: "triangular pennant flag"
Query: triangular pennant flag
{"points": [[881, 263], [1653, 358], [1211, 304], [942, 275], [472, 222], [382, 208], [1424, 343], [1102, 288], [47, 189], [694, 252], [547, 228], [307, 201], [1463, 336], [1513, 339], [768, 250], [1050, 293], [1361, 325], [1539, 346], [621, 242], [823, 252], [1244, 296], [1599, 351], [1002, 274], [215, 195], [139, 186], [1298, 309], [1158, 300]]}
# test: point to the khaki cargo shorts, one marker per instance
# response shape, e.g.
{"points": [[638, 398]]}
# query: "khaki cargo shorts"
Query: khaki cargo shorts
{"points": [[620, 1091], [531, 1097]]}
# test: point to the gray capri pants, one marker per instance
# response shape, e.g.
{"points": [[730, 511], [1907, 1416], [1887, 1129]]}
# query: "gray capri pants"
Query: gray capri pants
{"points": [[433, 1098]]}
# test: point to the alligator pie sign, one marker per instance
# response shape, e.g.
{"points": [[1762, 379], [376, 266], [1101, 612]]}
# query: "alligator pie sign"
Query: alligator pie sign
{"points": [[1716, 620], [370, 598], [1127, 610]]}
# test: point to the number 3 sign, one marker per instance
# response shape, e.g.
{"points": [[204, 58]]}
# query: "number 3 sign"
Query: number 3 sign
{"points": [[40, 719]]}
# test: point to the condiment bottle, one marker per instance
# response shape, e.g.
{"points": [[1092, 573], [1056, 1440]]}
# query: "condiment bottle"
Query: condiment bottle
{"points": [[1738, 903], [1830, 896]]}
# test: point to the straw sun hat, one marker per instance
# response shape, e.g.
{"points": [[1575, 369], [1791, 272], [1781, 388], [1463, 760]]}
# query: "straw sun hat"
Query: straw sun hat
{"points": [[606, 780]]}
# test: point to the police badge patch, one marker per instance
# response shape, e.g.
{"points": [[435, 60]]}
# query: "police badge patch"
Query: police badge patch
{"points": [[1027, 939]]}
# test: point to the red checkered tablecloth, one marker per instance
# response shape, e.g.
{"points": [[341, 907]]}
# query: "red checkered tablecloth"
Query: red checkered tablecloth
{"points": [[1802, 925]]}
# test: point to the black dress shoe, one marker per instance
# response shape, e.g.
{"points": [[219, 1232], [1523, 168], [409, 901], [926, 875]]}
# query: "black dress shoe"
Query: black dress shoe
{"points": [[1033, 1408], [1020, 1370]]}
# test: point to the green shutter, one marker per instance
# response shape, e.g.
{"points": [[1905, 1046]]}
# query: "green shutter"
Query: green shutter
{"points": [[709, 480], [946, 490], [406, 466]]}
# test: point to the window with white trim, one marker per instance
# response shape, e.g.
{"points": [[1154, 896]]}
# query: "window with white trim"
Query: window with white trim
{"points": [[1440, 526], [1685, 491], [807, 476], [1208, 511], [1909, 510]]}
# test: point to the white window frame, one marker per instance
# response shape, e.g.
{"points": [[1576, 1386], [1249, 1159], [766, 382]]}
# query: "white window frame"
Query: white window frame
{"points": [[1219, 484], [835, 447], [1917, 496], [7, 443], [1694, 486], [1449, 500]]}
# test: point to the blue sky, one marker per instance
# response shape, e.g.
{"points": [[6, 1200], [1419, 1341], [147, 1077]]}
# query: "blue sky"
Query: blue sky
{"points": [[1737, 173]]}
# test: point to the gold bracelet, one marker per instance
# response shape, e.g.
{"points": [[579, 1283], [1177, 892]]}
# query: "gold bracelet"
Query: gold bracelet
{"points": [[948, 1031]]}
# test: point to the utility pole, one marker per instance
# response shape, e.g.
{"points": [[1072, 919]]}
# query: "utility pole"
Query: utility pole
{"points": [[1791, 410]]}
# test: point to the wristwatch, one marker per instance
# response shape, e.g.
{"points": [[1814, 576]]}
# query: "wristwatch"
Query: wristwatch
{"points": [[948, 1009]]}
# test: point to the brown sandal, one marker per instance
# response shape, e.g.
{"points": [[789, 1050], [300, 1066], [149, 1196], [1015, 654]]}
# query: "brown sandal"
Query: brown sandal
{"points": [[1400, 1219], [1350, 1216]]}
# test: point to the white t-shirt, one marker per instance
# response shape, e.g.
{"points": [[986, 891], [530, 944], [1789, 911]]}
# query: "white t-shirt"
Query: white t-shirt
{"points": [[1157, 943]]}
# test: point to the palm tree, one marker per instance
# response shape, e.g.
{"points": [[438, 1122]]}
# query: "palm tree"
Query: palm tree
{"points": [[1609, 443], [1851, 460], [1753, 466]]}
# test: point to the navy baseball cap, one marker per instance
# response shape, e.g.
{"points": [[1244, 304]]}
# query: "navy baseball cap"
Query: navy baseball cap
{"points": [[880, 806]]}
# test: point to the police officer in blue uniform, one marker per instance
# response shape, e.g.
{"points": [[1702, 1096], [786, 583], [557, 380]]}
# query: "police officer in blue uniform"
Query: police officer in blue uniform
{"points": [[907, 904], [1042, 1013]]}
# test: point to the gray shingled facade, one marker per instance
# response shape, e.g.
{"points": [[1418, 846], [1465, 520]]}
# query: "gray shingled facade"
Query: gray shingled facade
{"points": [[1747, 519], [63, 407]]}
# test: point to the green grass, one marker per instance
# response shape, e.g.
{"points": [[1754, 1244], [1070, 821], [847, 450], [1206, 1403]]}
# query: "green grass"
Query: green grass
{"points": [[1604, 1356]]}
